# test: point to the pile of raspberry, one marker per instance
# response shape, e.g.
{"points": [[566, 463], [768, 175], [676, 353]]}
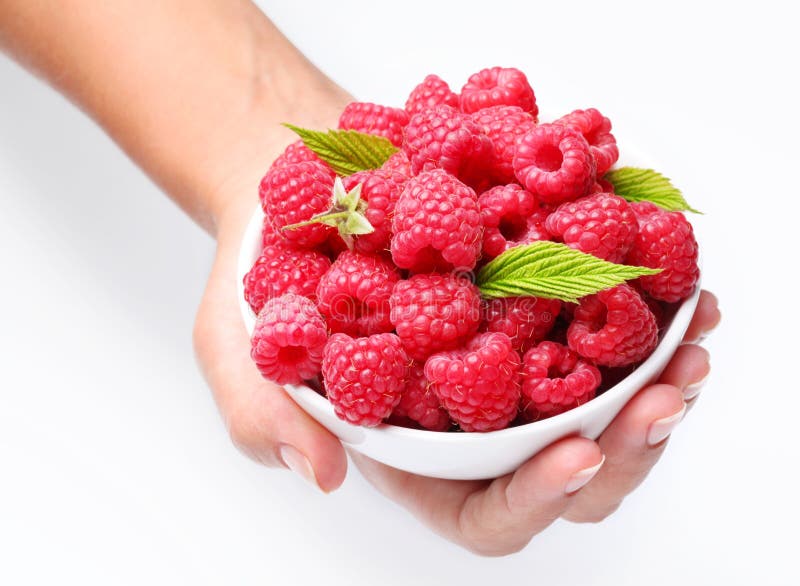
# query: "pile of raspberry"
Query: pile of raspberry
{"points": [[390, 327]]}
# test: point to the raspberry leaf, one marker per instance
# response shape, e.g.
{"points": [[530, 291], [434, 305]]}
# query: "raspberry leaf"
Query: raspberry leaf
{"points": [[346, 151], [636, 184], [552, 270]]}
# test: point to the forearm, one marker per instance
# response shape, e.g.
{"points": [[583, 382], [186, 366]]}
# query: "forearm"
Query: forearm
{"points": [[193, 91]]}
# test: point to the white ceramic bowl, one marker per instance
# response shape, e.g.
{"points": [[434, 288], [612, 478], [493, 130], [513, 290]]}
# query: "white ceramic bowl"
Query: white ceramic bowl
{"points": [[469, 456]]}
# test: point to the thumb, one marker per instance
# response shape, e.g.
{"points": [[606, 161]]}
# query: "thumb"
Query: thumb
{"points": [[262, 419]]}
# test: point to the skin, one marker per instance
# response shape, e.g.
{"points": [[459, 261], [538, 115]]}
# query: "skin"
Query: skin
{"points": [[194, 93]]}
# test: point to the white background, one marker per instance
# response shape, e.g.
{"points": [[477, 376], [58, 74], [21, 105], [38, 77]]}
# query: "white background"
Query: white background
{"points": [[114, 466]]}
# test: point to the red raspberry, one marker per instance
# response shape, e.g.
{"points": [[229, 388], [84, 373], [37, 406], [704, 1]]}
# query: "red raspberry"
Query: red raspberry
{"points": [[525, 320], [504, 125], [665, 241], [288, 339], [375, 119], [270, 236], [498, 86], [479, 385], [284, 269], [420, 404], [642, 209], [364, 377], [596, 129], [297, 152], [613, 328], [432, 92], [601, 224], [433, 312], [398, 164], [603, 185], [659, 308], [511, 216], [354, 294], [293, 194], [436, 224], [381, 192], [554, 380], [554, 163], [444, 138]]}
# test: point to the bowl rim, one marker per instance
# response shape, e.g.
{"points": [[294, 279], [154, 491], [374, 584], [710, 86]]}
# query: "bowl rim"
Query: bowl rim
{"points": [[642, 374]]}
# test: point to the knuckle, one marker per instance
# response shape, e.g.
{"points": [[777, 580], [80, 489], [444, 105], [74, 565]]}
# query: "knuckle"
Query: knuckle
{"points": [[594, 515], [250, 439]]}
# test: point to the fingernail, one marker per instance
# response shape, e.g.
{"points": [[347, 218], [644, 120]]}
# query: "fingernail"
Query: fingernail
{"points": [[706, 334], [578, 480], [692, 390], [298, 463], [661, 428]]}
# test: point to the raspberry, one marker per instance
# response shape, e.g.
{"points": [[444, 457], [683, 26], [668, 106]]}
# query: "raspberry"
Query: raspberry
{"points": [[665, 241], [297, 152], [436, 224], [659, 308], [270, 236], [504, 125], [498, 86], [398, 164], [381, 191], [596, 129], [293, 194], [354, 294], [511, 216], [364, 377], [613, 328], [374, 119], [284, 269], [555, 380], [479, 385], [432, 92], [420, 404], [554, 163], [433, 312], [525, 320], [642, 209], [603, 185], [288, 339], [444, 138], [601, 224]]}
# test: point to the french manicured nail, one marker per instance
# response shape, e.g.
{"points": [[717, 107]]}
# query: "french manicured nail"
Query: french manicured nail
{"points": [[581, 478], [298, 463], [661, 428], [692, 390]]}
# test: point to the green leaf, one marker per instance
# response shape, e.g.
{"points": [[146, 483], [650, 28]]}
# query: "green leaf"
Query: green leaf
{"points": [[347, 151], [636, 184], [552, 270]]}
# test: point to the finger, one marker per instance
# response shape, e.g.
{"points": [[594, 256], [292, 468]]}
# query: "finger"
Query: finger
{"points": [[633, 443], [502, 516], [261, 418], [706, 317], [688, 370]]}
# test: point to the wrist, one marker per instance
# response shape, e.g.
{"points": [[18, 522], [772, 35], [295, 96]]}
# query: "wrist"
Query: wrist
{"points": [[260, 139]]}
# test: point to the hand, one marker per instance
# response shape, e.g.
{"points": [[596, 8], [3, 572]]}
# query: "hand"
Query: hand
{"points": [[577, 479], [262, 420], [206, 142]]}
